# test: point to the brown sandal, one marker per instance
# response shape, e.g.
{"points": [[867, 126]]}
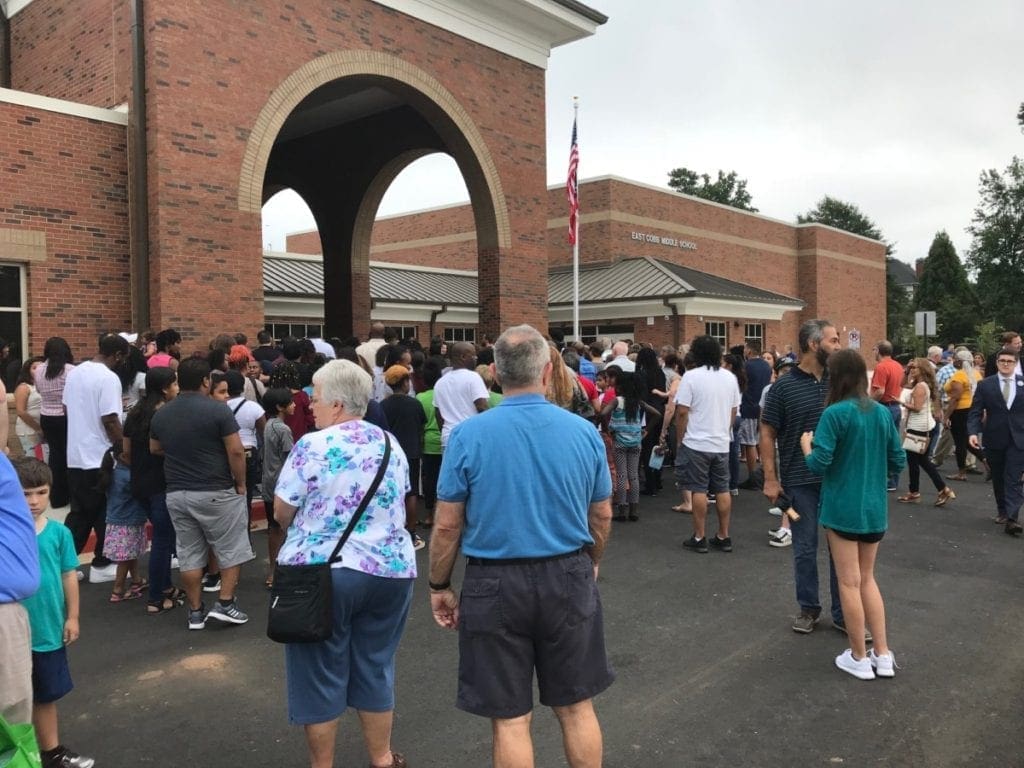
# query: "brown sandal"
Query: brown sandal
{"points": [[946, 494], [910, 498], [682, 509], [960, 478], [397, 761]]}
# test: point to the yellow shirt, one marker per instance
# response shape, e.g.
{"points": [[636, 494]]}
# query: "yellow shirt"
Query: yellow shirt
{"points": [[965, 396]]}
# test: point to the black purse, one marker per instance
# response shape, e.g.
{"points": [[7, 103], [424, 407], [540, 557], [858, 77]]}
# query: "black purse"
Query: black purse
{"points": [[301, 598]]}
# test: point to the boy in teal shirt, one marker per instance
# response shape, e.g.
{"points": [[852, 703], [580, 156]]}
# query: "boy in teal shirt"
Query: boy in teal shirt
{"points": [[53, 615]]}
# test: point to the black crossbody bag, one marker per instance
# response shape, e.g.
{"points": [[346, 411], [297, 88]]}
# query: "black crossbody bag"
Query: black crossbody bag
{"points": [[301, 598]]}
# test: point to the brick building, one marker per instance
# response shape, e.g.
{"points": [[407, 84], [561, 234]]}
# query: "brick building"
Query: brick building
{"points": [[139, 140], [656, 266]]}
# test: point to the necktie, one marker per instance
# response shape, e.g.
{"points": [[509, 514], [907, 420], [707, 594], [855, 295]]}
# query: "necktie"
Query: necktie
{"points": [[1006, 390]]}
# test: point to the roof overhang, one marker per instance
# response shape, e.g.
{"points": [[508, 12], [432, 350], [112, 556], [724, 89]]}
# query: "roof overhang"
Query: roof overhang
{"points": [[691, 306], [312, 308], [523, 29]]}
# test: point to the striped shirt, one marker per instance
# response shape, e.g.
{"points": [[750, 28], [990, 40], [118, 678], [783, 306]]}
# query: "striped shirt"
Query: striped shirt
{"points": [[793, 406], [944, 374], [51, 391]]}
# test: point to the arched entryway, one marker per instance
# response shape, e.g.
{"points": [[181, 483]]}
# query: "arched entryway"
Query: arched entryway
{"points": [[338, 131]]}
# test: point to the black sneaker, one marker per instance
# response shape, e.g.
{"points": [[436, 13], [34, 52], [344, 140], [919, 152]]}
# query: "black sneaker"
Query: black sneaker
{"points": [[697, 545], [805, 622], [841, 627], [211, 582], [723, 544], [229, 614], [65, 758]]}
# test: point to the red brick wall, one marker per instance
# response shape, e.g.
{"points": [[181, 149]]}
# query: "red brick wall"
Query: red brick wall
{"points": [[73, 49], [66, 177]]}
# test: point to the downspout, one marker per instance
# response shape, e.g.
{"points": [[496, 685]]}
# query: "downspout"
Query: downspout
{"points": [[138, 158], [5, 50], [675, 321], [433, 319]]}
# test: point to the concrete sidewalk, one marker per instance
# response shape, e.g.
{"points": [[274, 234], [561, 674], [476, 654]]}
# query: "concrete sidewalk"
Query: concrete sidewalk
{"points": [[709, 671]]}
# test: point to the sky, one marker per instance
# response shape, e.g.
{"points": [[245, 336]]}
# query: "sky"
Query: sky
{"points": [[896, 107]]}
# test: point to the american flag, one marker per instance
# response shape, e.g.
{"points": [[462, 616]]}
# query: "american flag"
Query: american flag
{"points": [[572, 188]]}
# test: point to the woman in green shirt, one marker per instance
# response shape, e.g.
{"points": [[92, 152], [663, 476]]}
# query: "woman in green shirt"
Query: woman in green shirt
{"points": [[855, 447]]}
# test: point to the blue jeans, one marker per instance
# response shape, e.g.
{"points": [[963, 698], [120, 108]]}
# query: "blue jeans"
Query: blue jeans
{"points": [[161, 548], [894, 410], [804, 499]]}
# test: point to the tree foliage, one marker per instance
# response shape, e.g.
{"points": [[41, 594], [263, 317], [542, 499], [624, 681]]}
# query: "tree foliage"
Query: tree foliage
{"points": [[899, 316], [845, 216], [727, 189], [997, 249], [945, 290], [1020, 116]]}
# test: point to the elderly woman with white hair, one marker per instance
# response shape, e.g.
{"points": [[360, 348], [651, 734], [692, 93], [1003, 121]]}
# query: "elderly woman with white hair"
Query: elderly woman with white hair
{"points": [[319, 489], [960, 392]]}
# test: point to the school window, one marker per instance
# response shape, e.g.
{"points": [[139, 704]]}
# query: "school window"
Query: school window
{"points": [[405, 331], [12, 307], [459, 334], [717, 330], [591, 333], [754, 332], [298, 330]]}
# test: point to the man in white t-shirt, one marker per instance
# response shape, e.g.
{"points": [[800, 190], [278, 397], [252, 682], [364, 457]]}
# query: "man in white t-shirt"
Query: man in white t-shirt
{"points": [[368, 349], [620, 352], [461, 393], [92, 398], [706, 403]]}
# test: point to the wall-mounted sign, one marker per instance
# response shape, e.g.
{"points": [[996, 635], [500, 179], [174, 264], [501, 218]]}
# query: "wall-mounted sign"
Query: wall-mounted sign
{"points": [[647, 237]]}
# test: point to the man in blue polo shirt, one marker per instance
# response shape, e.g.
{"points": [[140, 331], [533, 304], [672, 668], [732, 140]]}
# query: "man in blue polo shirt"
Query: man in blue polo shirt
{"points": [[793, 406], [19, 579], [533, 515]]}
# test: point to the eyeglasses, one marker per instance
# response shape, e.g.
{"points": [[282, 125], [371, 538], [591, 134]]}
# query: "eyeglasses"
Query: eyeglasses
{"points": [[1005, 361]]}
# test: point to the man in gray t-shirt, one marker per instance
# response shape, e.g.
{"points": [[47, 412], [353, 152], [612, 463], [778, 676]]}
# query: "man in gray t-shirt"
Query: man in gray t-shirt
{"points": [[204, 464]]}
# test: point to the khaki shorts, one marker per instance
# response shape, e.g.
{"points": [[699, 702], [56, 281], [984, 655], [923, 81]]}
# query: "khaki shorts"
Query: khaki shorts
{"points": [[15, 664], [205, 520]]}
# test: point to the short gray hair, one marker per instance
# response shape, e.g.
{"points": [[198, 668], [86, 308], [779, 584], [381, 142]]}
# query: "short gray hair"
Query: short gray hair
{"points": [[342, 381], [520, 354], [812, 330]]}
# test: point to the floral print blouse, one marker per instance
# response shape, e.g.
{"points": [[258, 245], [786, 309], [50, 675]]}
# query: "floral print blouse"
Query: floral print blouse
{"points": [[325, 477]]}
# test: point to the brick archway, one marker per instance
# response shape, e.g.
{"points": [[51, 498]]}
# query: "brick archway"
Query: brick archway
{"points": [[333, 66]]}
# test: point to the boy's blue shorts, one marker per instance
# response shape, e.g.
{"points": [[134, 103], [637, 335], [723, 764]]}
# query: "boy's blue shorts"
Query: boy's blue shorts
{"points": [[51, 677]]}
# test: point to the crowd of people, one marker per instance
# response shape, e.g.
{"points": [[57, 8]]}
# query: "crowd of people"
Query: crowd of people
{"points": [[142, 433]]}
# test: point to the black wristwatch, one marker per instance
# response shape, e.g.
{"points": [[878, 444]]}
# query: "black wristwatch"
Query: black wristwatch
{"points": [[440, 587]]}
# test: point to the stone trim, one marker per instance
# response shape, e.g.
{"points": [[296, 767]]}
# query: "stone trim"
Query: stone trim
{"points": [[63, 107], [22, 245], [333, 66]]}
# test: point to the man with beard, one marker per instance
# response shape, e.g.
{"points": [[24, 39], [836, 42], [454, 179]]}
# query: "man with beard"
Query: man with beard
{"points": [[793, 406]]}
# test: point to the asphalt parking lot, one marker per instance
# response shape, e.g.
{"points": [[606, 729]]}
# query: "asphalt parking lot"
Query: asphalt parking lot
{"points": [[709, 671]]}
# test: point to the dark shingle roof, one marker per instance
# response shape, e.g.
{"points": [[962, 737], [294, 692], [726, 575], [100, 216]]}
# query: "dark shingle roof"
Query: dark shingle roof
{"points": [[650, 278], [901, 272]]}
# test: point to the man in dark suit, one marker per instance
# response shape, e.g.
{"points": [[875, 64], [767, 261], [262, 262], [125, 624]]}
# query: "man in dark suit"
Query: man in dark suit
{"points": [[996, 422], [1009, 339]]}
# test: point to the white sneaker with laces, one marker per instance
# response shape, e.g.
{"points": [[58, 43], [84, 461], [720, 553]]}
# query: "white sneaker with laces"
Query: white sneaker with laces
{"points": [[780, 538], [859, 668], [884, 664], [777, 511]]}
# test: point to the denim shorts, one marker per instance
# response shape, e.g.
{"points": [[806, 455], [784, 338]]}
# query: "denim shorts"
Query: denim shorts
{"points": [[51, 676], [355, 666], [517, 618], [748, 431]]}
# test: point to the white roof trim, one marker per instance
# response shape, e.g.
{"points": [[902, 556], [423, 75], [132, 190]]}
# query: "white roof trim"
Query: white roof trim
{"points": [[72, 108], [375, 264], [11, 7], [702, 201], [524, 29]]}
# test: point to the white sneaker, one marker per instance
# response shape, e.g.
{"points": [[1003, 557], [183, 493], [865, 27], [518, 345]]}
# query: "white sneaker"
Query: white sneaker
{"points": [[777, 511], [174, 562], [80, 575], [884, 664], [780, 538], [861, 669], [98, 574]]}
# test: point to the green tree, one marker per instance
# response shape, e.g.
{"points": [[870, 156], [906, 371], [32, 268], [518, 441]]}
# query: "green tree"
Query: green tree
{"points": [[1020, 116], [899, 316], [945, 289], [845, 216], [997, 249], [727, 189]]}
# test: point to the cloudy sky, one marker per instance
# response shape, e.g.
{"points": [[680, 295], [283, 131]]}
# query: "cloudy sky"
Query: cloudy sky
{"points": [[894, 106]]}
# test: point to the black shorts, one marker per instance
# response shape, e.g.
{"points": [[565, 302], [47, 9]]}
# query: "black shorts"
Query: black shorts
{"points": [[414, 477], [516, 618], [51, 677], [863, 538]]}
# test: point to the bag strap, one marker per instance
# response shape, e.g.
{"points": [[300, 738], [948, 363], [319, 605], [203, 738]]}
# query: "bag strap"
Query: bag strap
{"points": [[334, 558], [238, 407]]}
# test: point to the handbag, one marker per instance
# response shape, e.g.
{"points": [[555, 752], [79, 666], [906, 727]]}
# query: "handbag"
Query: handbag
{"points": [[915, 441], [301, 598], [18, 748]]}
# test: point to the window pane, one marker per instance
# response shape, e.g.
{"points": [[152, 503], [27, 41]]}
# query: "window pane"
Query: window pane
{"points": [[10, 330], [10, 288]]}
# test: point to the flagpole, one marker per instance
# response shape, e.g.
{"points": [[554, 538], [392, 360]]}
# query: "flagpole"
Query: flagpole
{"points": [[576, 249]]}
